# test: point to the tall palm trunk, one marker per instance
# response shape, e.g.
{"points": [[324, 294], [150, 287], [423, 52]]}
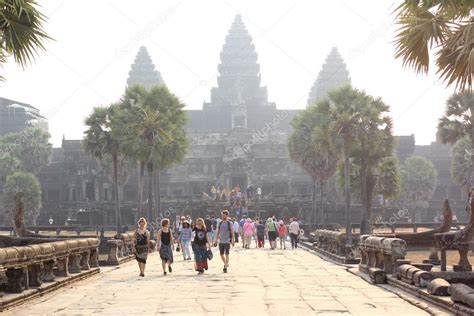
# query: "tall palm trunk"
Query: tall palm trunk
{"points": [[156, 214], [118, 216], [314, 210], [363, 186], [471, 179], [158, 197], [321, 203], [347, 191], [141, 177], [150, 191]]}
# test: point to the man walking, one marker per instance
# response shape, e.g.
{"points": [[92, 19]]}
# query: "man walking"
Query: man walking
{"points": [[294, 229], [224, 238]]}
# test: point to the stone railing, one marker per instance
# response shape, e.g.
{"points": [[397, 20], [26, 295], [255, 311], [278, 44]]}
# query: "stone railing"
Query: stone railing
{"points": [[31, 265], [333, 244], [380, 255], [120, 248]]}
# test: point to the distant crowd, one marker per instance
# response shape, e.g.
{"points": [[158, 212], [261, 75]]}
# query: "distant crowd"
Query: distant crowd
{"points": [[199, 236]]}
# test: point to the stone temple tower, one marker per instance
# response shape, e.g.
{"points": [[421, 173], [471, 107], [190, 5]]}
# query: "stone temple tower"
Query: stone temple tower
{"points": [[143, 71], [333, 74], [239, 100]]}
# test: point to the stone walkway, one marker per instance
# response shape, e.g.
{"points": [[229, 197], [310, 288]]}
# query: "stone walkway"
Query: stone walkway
{"points": [[259, 282]]}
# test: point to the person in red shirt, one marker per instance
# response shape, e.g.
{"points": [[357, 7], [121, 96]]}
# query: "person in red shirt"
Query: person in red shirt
{"points": [[282, 234]]}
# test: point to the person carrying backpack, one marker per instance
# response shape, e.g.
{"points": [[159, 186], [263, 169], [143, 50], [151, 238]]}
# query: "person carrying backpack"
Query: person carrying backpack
{"points": [[272, 232], [224, 238]]}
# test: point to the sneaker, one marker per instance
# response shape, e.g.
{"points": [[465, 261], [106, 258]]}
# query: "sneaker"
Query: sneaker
{"points": [[225, 270], [164, 273], [169, 269]]}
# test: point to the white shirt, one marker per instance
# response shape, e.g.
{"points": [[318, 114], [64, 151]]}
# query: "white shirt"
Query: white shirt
{"points": [[294, 228], [236, 226]]}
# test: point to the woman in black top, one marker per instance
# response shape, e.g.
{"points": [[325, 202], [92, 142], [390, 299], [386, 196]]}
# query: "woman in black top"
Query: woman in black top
{"points": [[201, 244], [141, 238], [166, 245]]}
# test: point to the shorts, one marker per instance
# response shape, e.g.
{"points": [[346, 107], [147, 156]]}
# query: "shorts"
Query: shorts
{"points": [[272, 236], [224, 249]]}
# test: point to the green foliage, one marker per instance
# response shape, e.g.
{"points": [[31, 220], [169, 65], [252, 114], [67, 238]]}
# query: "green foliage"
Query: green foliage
{"points": [[418, 181], [311, 146], [30, 146], [21, 30], [155, 122], [457, 120], [462, 168], [28, 184], [388, 178], [8, 165], [440, 26]]}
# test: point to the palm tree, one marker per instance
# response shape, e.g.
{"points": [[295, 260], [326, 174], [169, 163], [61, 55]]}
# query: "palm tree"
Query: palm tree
{"points": [[374, 142], [344, 118], [458, 122], [312, 149], [155, 134], [100, 140], [21, 31], [444, 27]]}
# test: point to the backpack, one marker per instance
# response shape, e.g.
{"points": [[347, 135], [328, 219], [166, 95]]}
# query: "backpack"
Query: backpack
{"points": [[228, 226]]}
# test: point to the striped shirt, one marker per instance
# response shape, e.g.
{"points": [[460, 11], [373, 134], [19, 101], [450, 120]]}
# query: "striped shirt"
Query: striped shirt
{"points": [[186, 234]]}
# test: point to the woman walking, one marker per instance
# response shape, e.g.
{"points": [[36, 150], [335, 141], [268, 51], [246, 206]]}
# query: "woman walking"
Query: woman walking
{"points": [[185, 240], [166, 245], [201, 245], [272, 232], [282, 234], [141, 240], [248, 232]]}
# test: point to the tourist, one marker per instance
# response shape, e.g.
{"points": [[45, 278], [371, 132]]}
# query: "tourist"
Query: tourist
{"points": [[272, 232], [248, 231], [166, 245], [214, 226], [208, 223], [51, 220], [241, 228], [260, 232], [141, 239], [294, 230], [224, 238], [259, 193], [201, 245], [236, 230], [214, 192], [185, 240], [218, 193], [282, 234]]}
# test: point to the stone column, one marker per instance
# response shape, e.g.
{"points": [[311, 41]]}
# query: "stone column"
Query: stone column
{"points": [[94, 258], [48, 275], [16, 282], [35, 274], [62, 267], [113, 245], [74, 263], [85, 260]]}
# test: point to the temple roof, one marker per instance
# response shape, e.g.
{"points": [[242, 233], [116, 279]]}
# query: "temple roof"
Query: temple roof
{"points": [[239, 71], [333, 74], [143, 71]]}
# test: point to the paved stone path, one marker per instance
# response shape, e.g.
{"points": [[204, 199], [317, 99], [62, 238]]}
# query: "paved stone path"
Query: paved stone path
{"points": [[259, 282]]}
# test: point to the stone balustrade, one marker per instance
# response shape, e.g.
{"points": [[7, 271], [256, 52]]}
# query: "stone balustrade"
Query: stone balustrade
{"points": [[333, 244], [381, 253], [120, 248], [31, 265]]}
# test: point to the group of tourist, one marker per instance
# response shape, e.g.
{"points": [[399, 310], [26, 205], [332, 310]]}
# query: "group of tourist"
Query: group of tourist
{"points": [[203, 234]]}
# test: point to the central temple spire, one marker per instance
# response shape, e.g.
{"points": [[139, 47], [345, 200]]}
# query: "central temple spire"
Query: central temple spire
{"points": [[239, 72]]}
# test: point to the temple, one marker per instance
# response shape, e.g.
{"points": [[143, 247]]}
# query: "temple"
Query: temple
{"points": [[333, 74], [238, 138], [15, 116], [238, 101]]}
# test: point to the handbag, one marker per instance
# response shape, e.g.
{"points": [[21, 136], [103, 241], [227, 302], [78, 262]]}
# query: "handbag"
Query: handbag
{"points": [[209, 254]]}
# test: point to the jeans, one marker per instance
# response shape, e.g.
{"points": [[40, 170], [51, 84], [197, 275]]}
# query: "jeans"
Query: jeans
{"points": [[186, 250], [294, 240]]}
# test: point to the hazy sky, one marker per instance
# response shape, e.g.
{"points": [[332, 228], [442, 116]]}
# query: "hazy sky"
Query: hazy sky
{"points": [[96, 42]]}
